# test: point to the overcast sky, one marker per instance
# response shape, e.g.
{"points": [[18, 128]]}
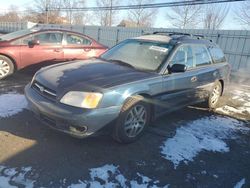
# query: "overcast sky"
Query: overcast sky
{"points": [[161, 21]]}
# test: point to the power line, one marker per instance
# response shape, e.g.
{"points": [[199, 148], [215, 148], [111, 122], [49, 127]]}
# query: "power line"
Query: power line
{"points": [[147, 6]]}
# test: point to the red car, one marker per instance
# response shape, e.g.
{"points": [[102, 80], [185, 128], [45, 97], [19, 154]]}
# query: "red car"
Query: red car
{"points": [[27, 47]]}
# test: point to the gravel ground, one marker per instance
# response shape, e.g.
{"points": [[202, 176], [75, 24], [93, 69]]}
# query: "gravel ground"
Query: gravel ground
{"points": [[192, 147]]}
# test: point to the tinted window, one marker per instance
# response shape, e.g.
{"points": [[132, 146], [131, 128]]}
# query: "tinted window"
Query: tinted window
{"points": [[217, 54], [75, 39], [140, 54], [184, 55], [201, 55], [49, 38], [45, 38]]}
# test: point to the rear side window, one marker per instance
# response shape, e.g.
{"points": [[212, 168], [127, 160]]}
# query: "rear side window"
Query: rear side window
{"points": [[184, 55], [201, 55], [217, 54], [77, 40]]}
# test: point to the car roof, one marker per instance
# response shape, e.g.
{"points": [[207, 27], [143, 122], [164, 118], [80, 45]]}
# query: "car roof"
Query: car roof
{"points": [[42, 29], [175, 38], [37, 29], [156, 38]]}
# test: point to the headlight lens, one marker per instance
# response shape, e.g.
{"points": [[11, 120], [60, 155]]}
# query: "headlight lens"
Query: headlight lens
{"points": [[82, 99]]}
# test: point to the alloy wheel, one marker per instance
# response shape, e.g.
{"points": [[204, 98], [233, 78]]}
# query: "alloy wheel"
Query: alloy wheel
{"points": [[216, 94], [135, 121], [4, 68]]}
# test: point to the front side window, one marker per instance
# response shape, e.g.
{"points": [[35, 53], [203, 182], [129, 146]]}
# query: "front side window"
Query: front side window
{"points": [[77, 40], [217, 54], [140, 54], [45, 38], [201, 55], [49, 38], [183, 55]]}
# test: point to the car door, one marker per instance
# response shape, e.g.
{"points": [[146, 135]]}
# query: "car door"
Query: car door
{"points": [[206, 72], [47, 49], [77, 47], [179, 88]]}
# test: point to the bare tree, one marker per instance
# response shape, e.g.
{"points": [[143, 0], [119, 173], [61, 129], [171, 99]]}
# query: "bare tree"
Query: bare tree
{"points": [[11, 15], [106, 18], [72, 16], [243, 13], [214, 16], [184, 17], [45, 11], [142, 17]]}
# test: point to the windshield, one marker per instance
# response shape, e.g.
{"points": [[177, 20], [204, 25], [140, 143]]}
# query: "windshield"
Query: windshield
{"points": [[15, 34], [139, 54]]}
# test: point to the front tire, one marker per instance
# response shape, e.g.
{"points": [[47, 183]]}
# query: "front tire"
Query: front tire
{"points": [[132, 121], [215, 95], [6, 67]]}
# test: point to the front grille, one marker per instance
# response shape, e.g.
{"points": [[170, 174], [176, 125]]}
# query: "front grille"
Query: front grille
{"points": [[44, 91]]}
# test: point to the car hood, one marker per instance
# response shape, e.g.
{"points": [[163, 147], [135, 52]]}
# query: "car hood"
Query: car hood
{"points": [[88, 75]]}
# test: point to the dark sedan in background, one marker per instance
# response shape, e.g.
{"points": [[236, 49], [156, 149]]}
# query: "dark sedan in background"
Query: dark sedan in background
{"points": [[129, 85], [27, 47]]}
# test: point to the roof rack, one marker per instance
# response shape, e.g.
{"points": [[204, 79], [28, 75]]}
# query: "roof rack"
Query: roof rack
{"points": [[170, 33]]}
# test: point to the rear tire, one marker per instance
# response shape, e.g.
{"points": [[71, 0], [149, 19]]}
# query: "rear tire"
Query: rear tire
{"points": [[6, 67], [132, 121], [215, 95]]}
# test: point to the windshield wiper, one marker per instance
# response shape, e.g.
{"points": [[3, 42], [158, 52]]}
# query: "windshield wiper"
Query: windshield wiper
{"points": [[120, 62]]}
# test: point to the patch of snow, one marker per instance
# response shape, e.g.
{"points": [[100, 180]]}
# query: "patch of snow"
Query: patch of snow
{"points": [[10, 176], [4, 182], [204, 172], [145, 179], [215, 176], [232, 111], [238, 105], [11, 104], [109, 176], [205, 134], [240, 183]]}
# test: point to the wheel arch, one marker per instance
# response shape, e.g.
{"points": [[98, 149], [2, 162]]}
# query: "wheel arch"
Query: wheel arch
{"points": [[222, 84], [12, 59], [149, 100]]}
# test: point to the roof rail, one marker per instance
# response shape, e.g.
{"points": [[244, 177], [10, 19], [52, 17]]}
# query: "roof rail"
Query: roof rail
{"points": [[170, 33], [199, 36]]}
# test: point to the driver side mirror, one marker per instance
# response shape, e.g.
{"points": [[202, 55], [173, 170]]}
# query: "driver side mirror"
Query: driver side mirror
{"points": [[177, 68], [33, 42]]}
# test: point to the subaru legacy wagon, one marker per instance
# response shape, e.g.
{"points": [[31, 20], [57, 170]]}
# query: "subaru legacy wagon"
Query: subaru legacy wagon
{"points": [[130, 85]]}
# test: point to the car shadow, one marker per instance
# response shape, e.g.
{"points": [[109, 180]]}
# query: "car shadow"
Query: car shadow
{"points": [[57, 156]]}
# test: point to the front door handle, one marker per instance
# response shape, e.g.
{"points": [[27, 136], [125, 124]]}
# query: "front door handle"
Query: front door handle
{"points": [[87, 49], [57, 50], [194, 79]]}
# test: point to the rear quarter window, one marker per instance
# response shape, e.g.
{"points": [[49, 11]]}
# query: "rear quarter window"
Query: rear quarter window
{"points": [[202, 56], [217, 54]]}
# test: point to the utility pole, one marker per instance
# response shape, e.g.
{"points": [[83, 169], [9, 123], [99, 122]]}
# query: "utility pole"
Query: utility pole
{"points": [[47, 12], [110, 13]]}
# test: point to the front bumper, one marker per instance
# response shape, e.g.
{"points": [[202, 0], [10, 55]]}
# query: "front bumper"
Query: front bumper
{"points": [[71, 120]]}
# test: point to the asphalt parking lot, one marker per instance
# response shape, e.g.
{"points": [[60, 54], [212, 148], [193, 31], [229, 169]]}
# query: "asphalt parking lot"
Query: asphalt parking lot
{"points": [[192, 147]]}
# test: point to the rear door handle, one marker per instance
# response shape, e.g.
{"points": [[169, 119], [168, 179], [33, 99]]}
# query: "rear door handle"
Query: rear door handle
{"points": [[194, 79]]}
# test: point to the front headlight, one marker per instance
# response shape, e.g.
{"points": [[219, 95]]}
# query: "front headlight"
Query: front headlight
{"points": [[82, 99]]}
